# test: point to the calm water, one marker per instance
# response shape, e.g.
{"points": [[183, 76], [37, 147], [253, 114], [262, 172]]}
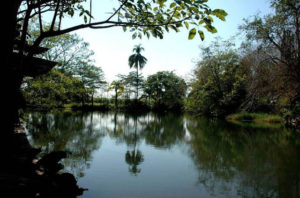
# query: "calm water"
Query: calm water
{"points": [[176, 156]]}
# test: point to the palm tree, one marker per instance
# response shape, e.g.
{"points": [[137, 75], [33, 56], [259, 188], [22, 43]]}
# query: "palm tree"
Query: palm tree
{"points": [[137, 61]]}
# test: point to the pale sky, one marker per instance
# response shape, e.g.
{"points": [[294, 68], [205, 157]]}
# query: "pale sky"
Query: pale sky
{"points": [[175, 52]]}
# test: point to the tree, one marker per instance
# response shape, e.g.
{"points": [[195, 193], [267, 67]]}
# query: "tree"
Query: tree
{"points": [[132, 82], [219, 85], [53, 89], [277, 36], [261, 82], [166, 89], [75, 64], [118, 88], [141, 17], [68, 50], [138, 61], [91, 76]]}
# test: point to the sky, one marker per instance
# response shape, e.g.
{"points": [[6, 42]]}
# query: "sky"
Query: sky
{"points": [[174, 52]]}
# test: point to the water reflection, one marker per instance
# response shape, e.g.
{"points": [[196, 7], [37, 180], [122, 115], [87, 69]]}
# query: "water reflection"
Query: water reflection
{"points": [[77, 133], [230, 160], [163, 131], [133, 159], [254, 163]]}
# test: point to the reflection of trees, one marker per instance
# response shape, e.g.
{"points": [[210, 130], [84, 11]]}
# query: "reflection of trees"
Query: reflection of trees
{"points": [[133, 159], [126, 129], [250, 162], [164, 131], [72, 132], [158, 130], [258, 163]]}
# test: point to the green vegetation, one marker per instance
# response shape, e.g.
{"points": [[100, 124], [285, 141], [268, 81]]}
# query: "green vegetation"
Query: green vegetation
{"points": [[255, 117], [141, 18], [219, 86], [118, 88], [262, 76], [74, 80], [165, 91]]}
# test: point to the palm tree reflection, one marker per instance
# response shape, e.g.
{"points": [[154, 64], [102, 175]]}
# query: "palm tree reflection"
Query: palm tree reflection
{"points": [[133, 159]]}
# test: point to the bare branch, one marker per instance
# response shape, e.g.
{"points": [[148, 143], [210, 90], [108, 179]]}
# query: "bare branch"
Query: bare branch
{"points": [[55, 14]]}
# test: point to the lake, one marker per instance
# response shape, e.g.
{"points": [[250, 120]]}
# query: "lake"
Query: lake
{"points": [[118, 155]]}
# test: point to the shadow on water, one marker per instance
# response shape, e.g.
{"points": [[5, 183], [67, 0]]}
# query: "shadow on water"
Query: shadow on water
{"points": [[230, 160], [23, 174]]}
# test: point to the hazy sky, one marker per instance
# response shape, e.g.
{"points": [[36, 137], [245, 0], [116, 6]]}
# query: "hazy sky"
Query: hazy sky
{"points": [[175, 52]]}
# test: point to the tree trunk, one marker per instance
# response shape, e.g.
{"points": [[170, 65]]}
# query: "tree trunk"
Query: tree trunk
{"points": [[137, 83], [82, 100], [116, 100], [93, 100], [12, 82]]}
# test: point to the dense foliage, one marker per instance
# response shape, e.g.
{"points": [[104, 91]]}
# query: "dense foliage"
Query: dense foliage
{"points": [[262, 76], [219, 85], [166, 90], [74, 80], [273, 56]]}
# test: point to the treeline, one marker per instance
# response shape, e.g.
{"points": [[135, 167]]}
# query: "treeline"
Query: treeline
{"points": [[76, 82], [161, 91], [263, 75]]}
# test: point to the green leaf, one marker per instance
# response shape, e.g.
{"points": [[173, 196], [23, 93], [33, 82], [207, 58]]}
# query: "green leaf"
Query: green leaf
{"points": [[134, 35], [148, 35], [221, 14], [192, 33], [211, 28], [201, 34], [174, 28], [172, 5], [186, 25]]}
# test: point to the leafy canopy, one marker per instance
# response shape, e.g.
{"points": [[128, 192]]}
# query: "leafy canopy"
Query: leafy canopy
{"points": [[141, 17]]}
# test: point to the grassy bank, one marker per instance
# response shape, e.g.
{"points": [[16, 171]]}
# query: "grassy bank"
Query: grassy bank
{"points": [[256, 118]]}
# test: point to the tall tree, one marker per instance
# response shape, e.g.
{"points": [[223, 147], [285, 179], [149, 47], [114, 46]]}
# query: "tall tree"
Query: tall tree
{"points": [[138, 61], [278, 37]]}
